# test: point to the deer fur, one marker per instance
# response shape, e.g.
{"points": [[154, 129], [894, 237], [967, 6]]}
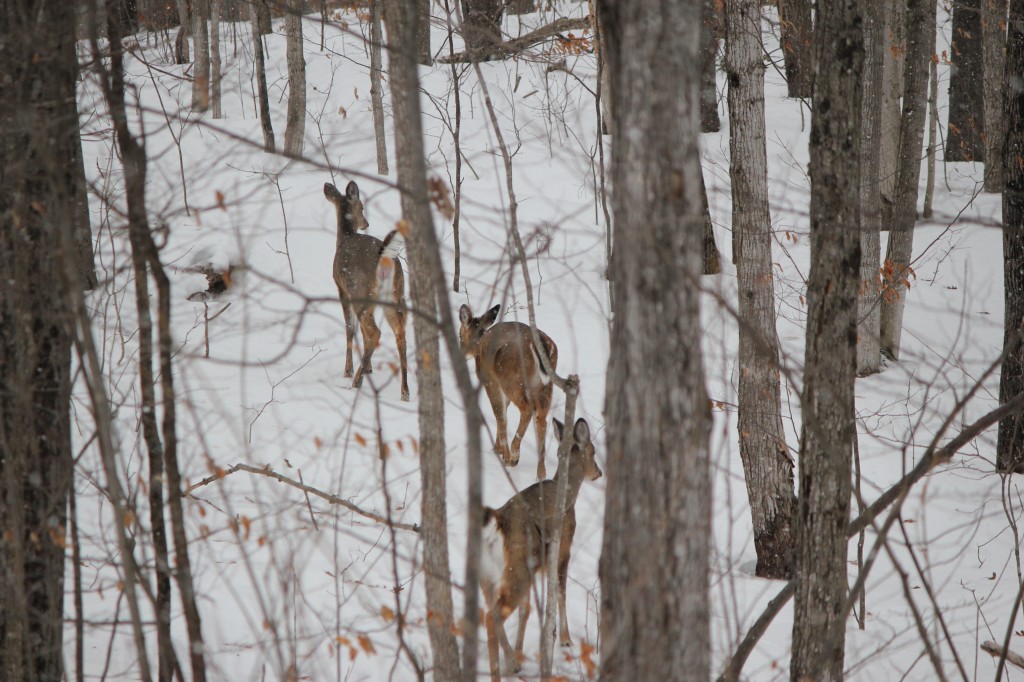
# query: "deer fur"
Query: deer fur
{"points": [[515, 547], [367, 272], [510, 369]]}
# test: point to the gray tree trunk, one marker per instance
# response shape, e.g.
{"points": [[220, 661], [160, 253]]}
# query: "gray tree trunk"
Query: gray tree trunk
{"points": [[712, 257], [376, 89], [481, 27], [993, 28], [215, 69], [1010, 444], [295, 127], [261, 81], [966, 80], [710, 27], [655, 552], [767, 466], [37, 204], [896, 275], [423, 33], [869, 355], [827, 432], [263, 19], [893, 50], [796, 28], [402, 19], [201, 48], [181, 53]]}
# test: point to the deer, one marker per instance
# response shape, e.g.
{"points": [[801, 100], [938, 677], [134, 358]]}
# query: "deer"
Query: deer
{"points": [[516, 539], [509, 367], [367, 272]]}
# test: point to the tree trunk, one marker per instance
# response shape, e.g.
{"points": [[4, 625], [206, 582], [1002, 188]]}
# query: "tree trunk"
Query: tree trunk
{"points": [[261, 82], [827, 433], [894, 48], [423, 33], [896, 275], [201, 48], [795, 22], [712, 258], [767, 466], [376, 89], [966, 108], [181, 54], [993, 28], [710, 24], [263, 23], [402, 22], [481, 28], [37, 205], [869, 356], [295, 128], [657, 532], [1010, 444], [215, 70]]}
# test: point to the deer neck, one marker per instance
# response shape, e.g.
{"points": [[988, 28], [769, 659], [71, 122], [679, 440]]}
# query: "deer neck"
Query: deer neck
{"points": [[575, 480], [345, 226]]}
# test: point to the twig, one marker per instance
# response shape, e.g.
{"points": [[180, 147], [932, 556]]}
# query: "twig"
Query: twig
{"points": [[312, 516], [519, 44], [333, 499], [1010, 656]]}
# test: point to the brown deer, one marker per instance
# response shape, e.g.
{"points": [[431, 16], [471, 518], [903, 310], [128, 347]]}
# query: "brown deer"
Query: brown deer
{"points": [[510, 369], [367, 271], [515, 547]]}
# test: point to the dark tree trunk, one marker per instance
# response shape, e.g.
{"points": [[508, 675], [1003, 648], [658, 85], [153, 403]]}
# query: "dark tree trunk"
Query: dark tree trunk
{"points": [[654, 558], [767, 465], [712, 257], [796, 28], [261, 82], [423, 33], [481, 28], [1010, 444], [128, 16], [920, 48], [966, 107], [181, 53], [263, 19], [710, 27], [993, 27], [38, 204], [827, 433]]}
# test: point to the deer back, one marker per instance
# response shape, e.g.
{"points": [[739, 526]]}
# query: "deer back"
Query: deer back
{"points": [[357, 256]]}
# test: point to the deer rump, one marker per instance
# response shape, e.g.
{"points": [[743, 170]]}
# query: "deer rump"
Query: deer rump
{"points": [[387, 265]]}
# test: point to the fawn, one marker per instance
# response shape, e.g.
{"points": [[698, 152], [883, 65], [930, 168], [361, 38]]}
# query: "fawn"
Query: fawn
{"points": [[367, 271], [508, 365], [515, 546]]}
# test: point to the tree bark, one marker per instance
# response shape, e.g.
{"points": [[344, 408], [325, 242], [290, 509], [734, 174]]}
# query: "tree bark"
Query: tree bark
{"points": [[201, 49], [402, 19], [263, 20], [896, 275], [796, 27], [712, 257], [37, 207], [376, 89], [654, 558], [827, 432], [767, 466], [481, 28], [993, 28], [894, 48], [423, 33], [181, 52], [869, 355], [966, 108], [710, 27], [215, 70], [295, 128], [261, 81], [1010, 443]]}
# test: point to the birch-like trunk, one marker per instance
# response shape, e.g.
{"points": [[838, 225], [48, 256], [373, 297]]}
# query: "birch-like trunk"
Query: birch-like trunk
{"points": [[827, 431], [376, 89], [657, 526], [767, 465], [201, 49], [295, 127], [215, 69]]}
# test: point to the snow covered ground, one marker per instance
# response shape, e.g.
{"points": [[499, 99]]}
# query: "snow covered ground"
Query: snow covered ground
{"points": [[285, 581]]}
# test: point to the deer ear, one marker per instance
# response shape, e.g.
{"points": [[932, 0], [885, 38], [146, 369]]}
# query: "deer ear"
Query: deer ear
{"points": [[465, 314], [558, 429], [331, 192], [352, 190], [490, 316], [581, 431]]}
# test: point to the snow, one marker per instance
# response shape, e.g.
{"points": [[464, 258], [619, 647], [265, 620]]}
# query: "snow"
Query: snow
{"points": [[285, 581]]}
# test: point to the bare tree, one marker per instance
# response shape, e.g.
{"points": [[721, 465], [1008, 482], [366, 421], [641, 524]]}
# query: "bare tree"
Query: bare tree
{"points": [[827, 432], [37, 206], [201, 50], [767, 465], [894, 48], [215, 65], [869, 356], [654, 557], [710, 27], [181, 52], [263, 22], [295, 128], [993, 39], [966, 109], [376, 94], [896, 272], [481, 27], [1010, 444], [796, 26], [261, 79]]}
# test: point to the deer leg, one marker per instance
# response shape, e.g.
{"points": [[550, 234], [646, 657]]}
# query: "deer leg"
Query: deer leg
{"points": [[564, 550], [540, 422], [499, 406], [524, 420], [524, 616], [396, 320], [350, 330], [371, 338]]}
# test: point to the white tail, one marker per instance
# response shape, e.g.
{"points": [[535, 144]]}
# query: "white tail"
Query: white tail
{"points": [[367, 271], [515, 543], [509, 367]]}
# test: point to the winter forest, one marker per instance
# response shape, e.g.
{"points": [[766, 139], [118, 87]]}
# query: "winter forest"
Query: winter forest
{"points": [[511, 339]]}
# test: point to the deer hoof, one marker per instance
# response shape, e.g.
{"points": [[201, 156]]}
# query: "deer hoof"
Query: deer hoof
{"points": [[405, 396], [348, 372], [567, 642]]}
